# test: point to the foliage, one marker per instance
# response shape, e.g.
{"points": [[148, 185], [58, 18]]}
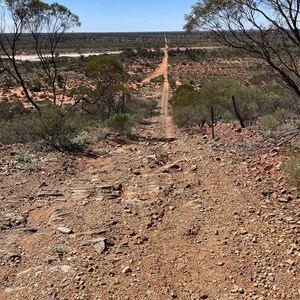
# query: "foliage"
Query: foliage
{"points": [[10, 109], [129, 53], [189, 108], [122, 123], [267, 29], [57, 129], [134, 112], [193, 107], [50, 129], [108, 93], [291, 166], [158, 79], [26, 159], [46, 24], [36, 87], [105, 68], [149, 54], [274, 120], [190, 116], [87, 136], [18, 129], [140, 107]]}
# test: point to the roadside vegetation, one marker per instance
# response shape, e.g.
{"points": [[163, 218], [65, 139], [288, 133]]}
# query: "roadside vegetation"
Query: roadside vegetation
{"points": [[291, 166], [65, 103], [58, 102], [97, 96], [52, 129], [266, 99], [265, 108]]}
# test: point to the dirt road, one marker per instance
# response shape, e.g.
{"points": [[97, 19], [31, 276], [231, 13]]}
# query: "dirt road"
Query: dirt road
{"points": [[169, 215], [166, 119]]}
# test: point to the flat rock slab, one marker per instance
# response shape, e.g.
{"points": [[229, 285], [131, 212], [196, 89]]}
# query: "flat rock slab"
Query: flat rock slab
{"points": [[64, 230]]}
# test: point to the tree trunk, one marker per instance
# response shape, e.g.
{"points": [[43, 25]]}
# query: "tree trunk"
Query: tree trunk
{"points": [[237, 114]]}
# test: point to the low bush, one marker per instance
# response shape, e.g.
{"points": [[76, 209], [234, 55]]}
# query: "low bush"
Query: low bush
{"points": [[291, 167], [18, 129], [274, 120], [189, 116], [36, 87], [141, 107], [26, 159], [135, 111], [122, 123], [50, 127], [129, 53], [56, 129], [10, 109], [88, 136], [189, 109], [158, 79], [231, 101]]}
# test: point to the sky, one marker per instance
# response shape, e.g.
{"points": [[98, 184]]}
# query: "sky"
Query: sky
{"points": [[128, 15]]}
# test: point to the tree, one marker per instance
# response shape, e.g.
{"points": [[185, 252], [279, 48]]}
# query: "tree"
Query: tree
{"points": [[106, 90], [269, 29], [46, 24]]}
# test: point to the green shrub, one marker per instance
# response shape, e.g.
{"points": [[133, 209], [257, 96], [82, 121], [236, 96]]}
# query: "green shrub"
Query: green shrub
{"points": [[7, 83], [16, 122], [274, 120], [291, 167], [26, 159], [10, 109], [122, 123], [189, 108], [190, 116], [184, 96], [172, 81], [51, 128], [57, 129], [18, 129], [268, 123], [128, 53], [104, 66], [88, 137], [54, 129], [251, 103], [36, 87], [135, 110], [140, 107]]}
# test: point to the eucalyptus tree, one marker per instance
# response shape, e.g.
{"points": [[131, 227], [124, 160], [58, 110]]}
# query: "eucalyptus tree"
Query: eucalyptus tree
{"points": [[269, 29], [46, 24], [106, 89]]}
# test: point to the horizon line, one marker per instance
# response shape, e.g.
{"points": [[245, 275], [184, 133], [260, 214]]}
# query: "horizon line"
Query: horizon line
{"points": [[155, 31]]}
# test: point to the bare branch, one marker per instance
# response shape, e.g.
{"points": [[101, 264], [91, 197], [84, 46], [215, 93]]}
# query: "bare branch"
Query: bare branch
{"points": [[266, 28]]}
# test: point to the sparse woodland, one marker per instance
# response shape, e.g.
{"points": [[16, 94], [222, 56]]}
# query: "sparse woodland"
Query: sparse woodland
{"points": [[43, 100], [150, 165]]}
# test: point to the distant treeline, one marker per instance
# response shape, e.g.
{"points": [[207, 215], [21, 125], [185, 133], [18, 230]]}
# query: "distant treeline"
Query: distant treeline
{"points": [[84, 42]]}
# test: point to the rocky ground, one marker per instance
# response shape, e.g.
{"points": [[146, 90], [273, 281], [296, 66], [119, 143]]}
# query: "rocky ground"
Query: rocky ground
{"points": [[165, 215]]}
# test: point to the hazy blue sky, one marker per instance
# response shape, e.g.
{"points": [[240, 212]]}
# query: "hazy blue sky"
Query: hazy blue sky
{"points": [[128, 15]]}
